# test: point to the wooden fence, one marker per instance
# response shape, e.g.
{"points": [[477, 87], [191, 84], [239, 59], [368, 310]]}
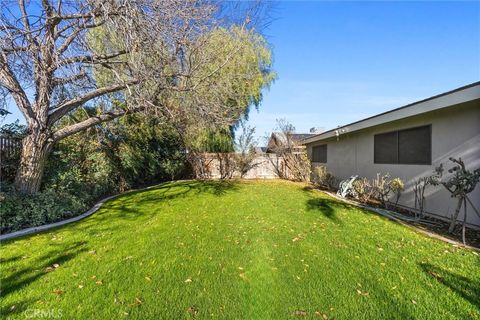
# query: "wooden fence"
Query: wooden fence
{"points": [[9, 146], [10, 149], [222, 165]]}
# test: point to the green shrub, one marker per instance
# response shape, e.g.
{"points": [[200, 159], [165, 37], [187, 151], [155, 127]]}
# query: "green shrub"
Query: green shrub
{"points": [[363, 189], [18, 212], [324, 179], [381, 188], [93, 164]]}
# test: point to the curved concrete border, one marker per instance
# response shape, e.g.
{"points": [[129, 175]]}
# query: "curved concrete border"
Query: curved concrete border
{"points": [[98, 205]]}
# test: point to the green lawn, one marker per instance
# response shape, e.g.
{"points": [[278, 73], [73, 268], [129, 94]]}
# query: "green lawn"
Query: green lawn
{"points": [[246, 250]]}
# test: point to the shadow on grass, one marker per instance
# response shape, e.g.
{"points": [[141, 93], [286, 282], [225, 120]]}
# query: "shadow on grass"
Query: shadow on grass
{"points": [[332, 202], [173, 190], [11, 259], [138, 206], [327, 206], [16, 308], [467, 288], [36, 269], [324, 207]]}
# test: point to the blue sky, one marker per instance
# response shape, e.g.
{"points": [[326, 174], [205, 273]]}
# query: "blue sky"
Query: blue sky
{"points": [[339, 62]]}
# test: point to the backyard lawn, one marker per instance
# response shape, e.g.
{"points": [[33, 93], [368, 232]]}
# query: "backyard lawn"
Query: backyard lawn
{"points": [[236, 250]]}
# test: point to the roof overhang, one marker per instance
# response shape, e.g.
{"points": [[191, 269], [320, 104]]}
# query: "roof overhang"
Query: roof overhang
{"points": [[448, 99]]}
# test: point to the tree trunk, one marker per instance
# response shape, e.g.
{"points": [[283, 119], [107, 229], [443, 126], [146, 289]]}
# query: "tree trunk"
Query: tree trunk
{"points": [[35, 150]]}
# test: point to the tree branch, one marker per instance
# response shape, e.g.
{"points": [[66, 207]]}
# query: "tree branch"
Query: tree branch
{"points": [[56, 113], [92, 59], [80, 126], [62, 81], [90, 122], [68, 41], [10, 82]]}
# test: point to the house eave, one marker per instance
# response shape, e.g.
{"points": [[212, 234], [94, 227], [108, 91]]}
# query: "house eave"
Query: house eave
{"points": [[448, 99]]}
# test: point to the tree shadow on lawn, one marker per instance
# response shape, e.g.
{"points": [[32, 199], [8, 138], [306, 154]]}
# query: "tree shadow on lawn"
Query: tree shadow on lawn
{"points": [[467, 288], [17, 308], [133, 206], [325, 205], [11, 259], [39, 268], [172, 190], [338, 204]]}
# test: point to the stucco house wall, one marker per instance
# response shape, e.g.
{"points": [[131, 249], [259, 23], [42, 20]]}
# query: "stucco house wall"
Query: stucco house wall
{"points": [[455, 133]]}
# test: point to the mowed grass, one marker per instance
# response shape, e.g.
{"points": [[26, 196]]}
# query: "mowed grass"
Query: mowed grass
{"points": [[237, 250]]}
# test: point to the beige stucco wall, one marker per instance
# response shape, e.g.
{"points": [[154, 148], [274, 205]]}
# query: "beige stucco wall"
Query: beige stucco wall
{"points": [[455, 133]]}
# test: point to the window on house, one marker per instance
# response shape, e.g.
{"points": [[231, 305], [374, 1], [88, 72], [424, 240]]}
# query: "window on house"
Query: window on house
{"points": [[409, 146], [319, 154]]}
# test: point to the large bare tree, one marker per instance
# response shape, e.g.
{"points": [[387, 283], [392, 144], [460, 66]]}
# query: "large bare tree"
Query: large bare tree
{"points": [[124, 55]]}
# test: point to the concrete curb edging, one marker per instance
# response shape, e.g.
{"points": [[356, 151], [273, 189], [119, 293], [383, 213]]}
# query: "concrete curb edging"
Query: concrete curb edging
{"points": [[386, 213], [92, 210]]}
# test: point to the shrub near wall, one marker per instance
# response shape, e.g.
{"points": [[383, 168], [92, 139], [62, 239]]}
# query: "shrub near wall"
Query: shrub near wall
{"points": [[382, 188], [324, 179]]}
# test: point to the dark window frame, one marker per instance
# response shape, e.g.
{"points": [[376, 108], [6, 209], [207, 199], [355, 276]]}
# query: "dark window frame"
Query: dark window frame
{"points": [[326, 153], [397, 133]]}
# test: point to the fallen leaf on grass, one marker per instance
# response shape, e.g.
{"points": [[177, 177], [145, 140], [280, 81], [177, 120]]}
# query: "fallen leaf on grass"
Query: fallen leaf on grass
{"points": [[300, 313], [436, 275], [188, 280], [138, 301], [298, 238], [193, 310], [414, 302], [363, 293], [58, 291], [51, 268], [148, 278], [319, 314], [99, 282]]}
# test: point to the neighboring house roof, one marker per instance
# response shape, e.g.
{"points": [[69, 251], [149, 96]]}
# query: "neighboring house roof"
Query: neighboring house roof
{"points": [[260, 149], [297, 138], [448, 99]]}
